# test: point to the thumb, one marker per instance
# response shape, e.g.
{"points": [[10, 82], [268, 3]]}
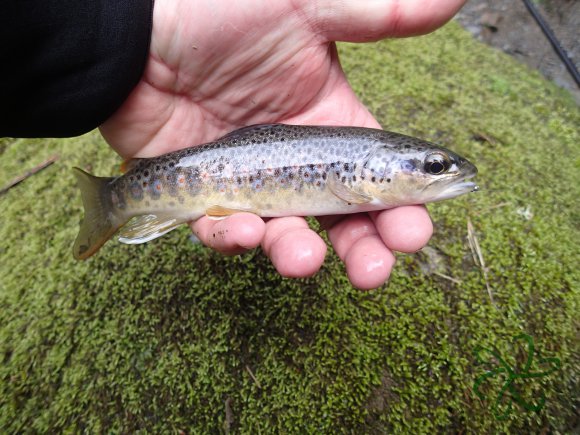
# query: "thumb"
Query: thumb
{"points": [[371, 20]]}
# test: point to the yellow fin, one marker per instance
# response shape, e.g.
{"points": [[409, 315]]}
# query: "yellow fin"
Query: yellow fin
{"points": [[344, 192], [129, 164], [219, 212]]}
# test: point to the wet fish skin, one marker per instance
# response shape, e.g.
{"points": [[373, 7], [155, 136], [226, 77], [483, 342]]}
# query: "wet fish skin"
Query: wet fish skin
{"points": [[270, 170]]}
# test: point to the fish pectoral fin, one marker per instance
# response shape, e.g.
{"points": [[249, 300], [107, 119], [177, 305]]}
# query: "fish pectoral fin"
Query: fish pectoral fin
{"points": [[141, 229], [344, 192], [218, 212]]}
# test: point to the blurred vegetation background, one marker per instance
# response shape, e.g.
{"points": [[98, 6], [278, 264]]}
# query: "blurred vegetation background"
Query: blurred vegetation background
{"points": [[171, 337]]}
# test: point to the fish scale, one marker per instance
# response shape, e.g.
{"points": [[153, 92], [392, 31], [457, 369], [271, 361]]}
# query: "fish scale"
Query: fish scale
{"points": [[270, 170]]}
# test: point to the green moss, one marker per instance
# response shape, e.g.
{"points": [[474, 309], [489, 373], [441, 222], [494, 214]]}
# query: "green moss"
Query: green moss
{"points": [[160, 337]]}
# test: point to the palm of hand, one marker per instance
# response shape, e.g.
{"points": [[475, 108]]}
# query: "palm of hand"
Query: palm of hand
{"points": [[215, 67]]}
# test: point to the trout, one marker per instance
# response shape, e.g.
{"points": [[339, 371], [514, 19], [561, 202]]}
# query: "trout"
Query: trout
{"points": [[270, 170]]}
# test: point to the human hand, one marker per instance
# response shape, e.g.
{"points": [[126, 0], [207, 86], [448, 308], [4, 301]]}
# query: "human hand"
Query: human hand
{"points": [[216, 66]]}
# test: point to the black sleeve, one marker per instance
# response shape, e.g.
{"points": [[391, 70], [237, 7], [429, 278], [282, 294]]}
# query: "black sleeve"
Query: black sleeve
{"points": [[67, 65]]}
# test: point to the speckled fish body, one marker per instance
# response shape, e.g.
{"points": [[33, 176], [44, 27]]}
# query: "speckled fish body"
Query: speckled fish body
{"points": [[270, 170]]}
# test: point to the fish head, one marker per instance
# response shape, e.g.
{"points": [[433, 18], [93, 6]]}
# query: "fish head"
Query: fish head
{"points": [[420, 174]]}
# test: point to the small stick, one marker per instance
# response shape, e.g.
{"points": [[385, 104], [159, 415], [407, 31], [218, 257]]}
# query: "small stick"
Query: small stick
{"points": [[493, 207], [229, 420], [253, 377], [474, 244], [28, 173], [447, 277]]}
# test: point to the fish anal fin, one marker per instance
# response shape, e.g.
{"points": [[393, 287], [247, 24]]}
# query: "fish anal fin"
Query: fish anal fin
{"points": [[144, 228], [219, 212], [344, 192]]}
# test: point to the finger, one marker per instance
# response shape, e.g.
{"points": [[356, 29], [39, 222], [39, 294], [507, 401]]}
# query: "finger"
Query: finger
{"points": [[404, 229], [231, 236], [356, 241], [295, 250], [369, 20]]}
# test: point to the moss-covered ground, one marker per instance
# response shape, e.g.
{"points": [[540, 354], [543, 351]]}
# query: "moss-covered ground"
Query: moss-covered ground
{"points": [[171, 337]]}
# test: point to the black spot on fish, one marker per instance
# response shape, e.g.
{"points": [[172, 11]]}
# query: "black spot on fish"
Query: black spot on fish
{"points": [[146, 173], [354, 178], [346, 167], [388, 180], [343, 179], [220, 167], [374, 179]]}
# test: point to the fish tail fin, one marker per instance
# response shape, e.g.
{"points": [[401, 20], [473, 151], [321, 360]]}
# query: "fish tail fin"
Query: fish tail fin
{"points": [[99, 223]]}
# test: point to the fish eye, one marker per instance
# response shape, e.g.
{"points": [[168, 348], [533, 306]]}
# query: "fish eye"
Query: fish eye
{"points": [[436, 164]]}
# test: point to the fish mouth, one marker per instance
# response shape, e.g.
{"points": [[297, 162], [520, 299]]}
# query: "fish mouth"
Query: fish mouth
{"points": [[459, 186]]}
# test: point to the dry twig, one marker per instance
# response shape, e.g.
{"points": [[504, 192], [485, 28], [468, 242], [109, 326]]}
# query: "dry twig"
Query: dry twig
{"points": [[447, 277], [253, 377], [478, 256], [28, 173], [229, 420]]}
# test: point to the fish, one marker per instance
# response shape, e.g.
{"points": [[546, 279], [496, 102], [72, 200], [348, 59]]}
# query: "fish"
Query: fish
{"points": [[271, 170]]}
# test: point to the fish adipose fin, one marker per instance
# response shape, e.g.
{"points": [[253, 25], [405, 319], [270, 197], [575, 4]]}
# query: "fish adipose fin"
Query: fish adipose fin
{"points": [[141, 229], [218, 212], [99, 223], [344, 192]]}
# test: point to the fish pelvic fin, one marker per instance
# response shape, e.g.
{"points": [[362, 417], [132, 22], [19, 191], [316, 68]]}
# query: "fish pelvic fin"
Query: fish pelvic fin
{"points": [[100, 222]]}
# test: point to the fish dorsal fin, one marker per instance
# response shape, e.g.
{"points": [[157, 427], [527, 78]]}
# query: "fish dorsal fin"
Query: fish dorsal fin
{"points": [[344, 192], [248, 130], [218, 212], [129, 164], [141, 229]]}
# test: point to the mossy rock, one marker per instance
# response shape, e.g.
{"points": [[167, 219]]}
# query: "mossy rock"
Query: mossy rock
{"points": [[171, 337]]}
